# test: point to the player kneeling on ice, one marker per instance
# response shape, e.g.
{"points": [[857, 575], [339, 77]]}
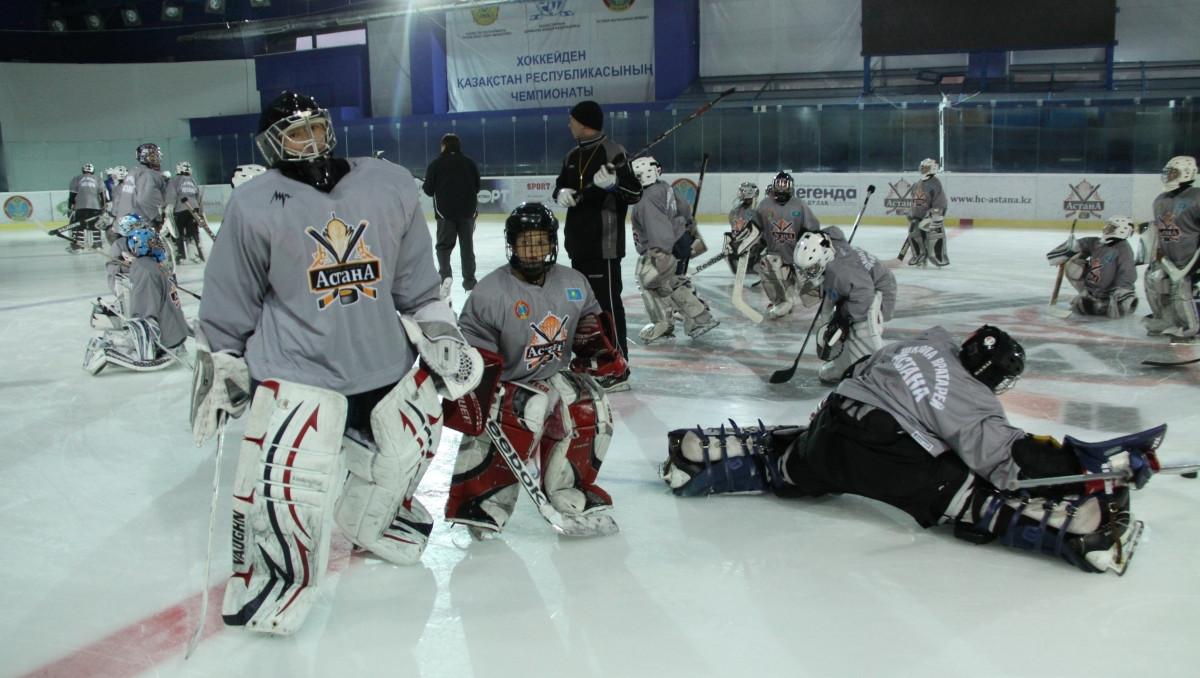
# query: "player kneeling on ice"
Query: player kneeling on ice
{"points": [[1101, 269], [316, 258], [549, 418], [856, 294], [146, 327], [918, 425], [662, 236], [781, 221]]}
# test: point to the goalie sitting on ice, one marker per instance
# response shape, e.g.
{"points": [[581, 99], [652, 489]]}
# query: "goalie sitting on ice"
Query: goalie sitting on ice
{"points": [[527, 318], [1101, 269], [662, 225], [917, 425], [146, 326]]}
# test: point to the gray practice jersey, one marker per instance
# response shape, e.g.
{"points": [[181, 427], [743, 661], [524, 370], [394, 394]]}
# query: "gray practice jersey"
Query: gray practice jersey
{"points": [[659, 218], [531, 327], [927, 194], [740, 217], [782, 225], [306, 285], [152, 294], [183, 186], [89, 192], [1177, 218], [140, 193], [923, 385], [1106, 267], [854, 276]]}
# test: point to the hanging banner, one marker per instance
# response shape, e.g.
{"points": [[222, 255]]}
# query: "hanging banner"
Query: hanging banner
{"points": [[550, 53]]}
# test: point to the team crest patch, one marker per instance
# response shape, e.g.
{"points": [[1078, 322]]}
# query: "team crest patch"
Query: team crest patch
{"points": [[343, 266], [548, 341], [574, 294], [521, 309]]}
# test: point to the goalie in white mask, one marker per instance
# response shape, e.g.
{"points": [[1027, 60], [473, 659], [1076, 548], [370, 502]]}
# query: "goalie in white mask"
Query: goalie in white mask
{"points": [[662, 235], [1101, 269], [926, 230], [1174, 258], [301, 297]]}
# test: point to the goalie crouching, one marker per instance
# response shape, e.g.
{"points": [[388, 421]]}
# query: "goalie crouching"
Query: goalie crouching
{"points": [[917, 425], [527, 318]]}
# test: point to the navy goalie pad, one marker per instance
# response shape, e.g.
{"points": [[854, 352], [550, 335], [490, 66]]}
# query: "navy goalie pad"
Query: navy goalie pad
{"points": [[1134, 454], [469, 413], [733, 460]]}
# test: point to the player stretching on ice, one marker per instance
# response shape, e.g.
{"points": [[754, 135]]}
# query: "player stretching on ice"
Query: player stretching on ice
{"points": [[301, 296], [858, 296], [781, 221], [662, 236], [528, 317], [1101, 269], [926, 230], [918, 426], [1175, 258]]}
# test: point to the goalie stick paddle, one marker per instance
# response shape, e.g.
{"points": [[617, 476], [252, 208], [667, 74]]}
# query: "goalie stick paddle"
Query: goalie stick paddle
{"points": [[212, 525], [1053, 308], [782, 376], [1185, 470], [594, 525]]}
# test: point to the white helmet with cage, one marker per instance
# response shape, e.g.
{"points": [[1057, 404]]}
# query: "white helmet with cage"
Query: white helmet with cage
{"points": [[813, 253], [183, 168], [1117, 228], [646, 169], [929, 167], [747, 193], [1179, 170]]}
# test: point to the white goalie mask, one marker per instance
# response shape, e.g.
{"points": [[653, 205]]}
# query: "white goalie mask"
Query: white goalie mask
{"points": [[646, 169], [813, 253], [183, 168], [245, 173], [1117, 228], [1179, 170], [747, 194], [929, 167]]}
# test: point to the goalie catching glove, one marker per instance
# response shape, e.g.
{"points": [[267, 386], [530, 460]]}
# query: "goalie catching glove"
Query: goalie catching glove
{"points": [[220, 389], [455, 364]]}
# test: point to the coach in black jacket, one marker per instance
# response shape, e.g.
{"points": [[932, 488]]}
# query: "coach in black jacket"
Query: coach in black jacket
{"points": [[453, 181]]}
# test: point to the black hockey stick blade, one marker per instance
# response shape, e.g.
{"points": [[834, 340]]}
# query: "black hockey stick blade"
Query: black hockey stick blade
{"points": [[1157, 363], [782, 376]]}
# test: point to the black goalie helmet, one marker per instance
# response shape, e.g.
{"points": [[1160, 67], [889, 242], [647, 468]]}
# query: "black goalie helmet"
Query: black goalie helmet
{"points": [[531, 256], [296, 135], [993, 357], [782, 187]]}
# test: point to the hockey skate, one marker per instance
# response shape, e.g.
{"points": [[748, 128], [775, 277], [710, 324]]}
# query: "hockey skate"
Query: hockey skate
{"points": [[699, 325], [780, 310], [655, 332]]}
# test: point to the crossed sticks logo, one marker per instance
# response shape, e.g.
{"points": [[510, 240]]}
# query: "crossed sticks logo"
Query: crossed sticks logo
{"points": [[343, 266], [1084, 202]]}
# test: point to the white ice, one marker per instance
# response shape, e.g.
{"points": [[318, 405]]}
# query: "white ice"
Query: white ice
{"points": [[104, 509]]}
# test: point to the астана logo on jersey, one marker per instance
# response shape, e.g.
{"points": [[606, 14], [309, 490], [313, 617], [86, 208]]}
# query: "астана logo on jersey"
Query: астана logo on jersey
{"points": [[548, 341], [1084, 202], [342, 266]]}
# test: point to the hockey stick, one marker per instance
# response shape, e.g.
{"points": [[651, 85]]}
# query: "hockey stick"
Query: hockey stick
{"points": [[739, 283], [1156, 363], [222, 419], [699, 184], [110, 257], [693, 227], [531, 479], [904, 248], [73, 225], [709, 263], [1053, 308], [1186, 470], [782, 376], [200, 219]]}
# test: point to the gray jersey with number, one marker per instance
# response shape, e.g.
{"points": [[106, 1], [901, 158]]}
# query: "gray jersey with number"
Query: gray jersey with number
{"points": [[1106, 267], [531, 327], [782, 225], [1177, 218], [183, 186], [141, 193], [659, 218], [306, 285], [927, 194], [152, 294], [854, 276], [923, 385], [89, 192]]}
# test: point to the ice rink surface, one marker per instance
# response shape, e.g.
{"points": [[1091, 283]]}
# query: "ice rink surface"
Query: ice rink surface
{"points": [[104, 509]]}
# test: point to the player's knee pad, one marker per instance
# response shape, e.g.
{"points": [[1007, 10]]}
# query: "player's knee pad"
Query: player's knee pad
{"points": [[573, 457], [483, 489], [729, 460], [655, 269], [288, 470], [377, 509], [935, 242]]}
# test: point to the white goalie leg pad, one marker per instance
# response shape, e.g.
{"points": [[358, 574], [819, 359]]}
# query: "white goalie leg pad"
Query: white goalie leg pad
{"points": [[456, 364], [697, 318], [573, 462], [377, 509], [143, 334], [774, 275], [288, 471], [1074, 271], [1158, 295], [655, 270], [1183, 309], [866, 337]]}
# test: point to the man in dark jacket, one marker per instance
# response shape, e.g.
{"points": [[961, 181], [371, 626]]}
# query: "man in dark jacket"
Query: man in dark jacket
{"points": [[452, 180], [597, 186]]}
